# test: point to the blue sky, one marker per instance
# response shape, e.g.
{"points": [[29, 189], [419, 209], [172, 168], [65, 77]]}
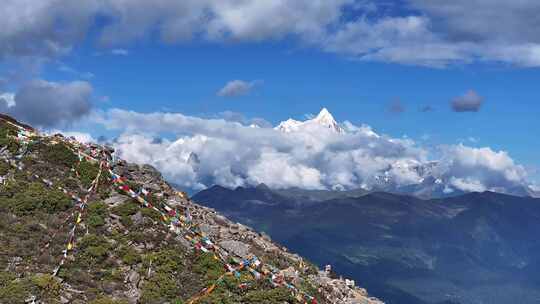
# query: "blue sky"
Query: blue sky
{"points": [[360, 59], [295, 82]]}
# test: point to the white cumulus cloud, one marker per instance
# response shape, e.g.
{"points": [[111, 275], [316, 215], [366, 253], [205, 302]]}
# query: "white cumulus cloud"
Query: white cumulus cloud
{"points": [[482, 169], [418, 32], [233, 154]]}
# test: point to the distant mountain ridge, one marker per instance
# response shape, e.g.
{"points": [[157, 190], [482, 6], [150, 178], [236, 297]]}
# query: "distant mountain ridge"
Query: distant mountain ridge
{"points": [[471, 248]]}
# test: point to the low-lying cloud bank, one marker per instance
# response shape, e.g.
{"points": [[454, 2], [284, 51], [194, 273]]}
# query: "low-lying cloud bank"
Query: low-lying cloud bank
{"points": [[215, 151]]}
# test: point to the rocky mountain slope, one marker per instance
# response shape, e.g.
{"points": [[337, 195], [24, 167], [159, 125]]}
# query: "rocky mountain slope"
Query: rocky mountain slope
{"points": [[78, 225], [469, 249]]}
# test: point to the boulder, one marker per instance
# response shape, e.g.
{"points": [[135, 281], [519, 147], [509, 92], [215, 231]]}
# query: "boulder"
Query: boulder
{"points": [[264, 245], [175, 202], [151, 171], [110, 287], [152, 187], [116, 199], [221, 220], [185, 243], [132, 167], [132, 295], [209, 230], [234, 229], [137, 218], [133, 278], [236, 247], [291, 275]]}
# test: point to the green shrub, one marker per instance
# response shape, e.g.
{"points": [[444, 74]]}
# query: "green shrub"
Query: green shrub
{"points": [[6, 140], [107, 300], [97, 213], [94, 249], [70, 183], [151, 213], [48, 285], [208, 266], [130, 256], [159, 288], [15, 292], [163, 284], [95, 221], [27, 198], [55, 201], [126, 209], [138, 237], [221, 296], [126, 221], [3, 132], [60, 154], [6, 278], [88, 171], [77, 275], [166, 260], [271, 296], [4, 168]]}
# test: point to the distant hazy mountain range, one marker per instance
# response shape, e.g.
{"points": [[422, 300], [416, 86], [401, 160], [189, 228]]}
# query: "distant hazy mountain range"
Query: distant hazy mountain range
{"points": [[472, 248]]}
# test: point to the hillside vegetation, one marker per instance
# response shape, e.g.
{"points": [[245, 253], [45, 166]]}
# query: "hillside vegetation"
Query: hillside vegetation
{"points": [[76, 227]]}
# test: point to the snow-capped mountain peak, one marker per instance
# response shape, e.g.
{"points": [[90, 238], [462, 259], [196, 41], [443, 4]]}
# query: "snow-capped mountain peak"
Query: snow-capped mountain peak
{"points": [[324, 118]]}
